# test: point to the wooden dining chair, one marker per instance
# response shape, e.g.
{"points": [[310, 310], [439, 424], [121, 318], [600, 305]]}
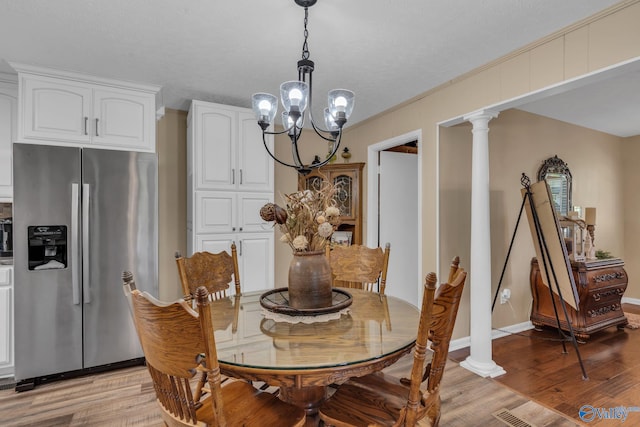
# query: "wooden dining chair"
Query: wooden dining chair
{"points": [[382, 399], [358, 266], [213, 271], [177, 343]]}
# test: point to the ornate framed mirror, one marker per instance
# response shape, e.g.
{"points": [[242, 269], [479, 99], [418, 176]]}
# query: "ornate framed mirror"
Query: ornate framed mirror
{"points": [[558, 176]]}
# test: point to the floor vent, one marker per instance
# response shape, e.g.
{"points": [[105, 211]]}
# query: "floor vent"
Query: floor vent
{"points": [[509, 419]]}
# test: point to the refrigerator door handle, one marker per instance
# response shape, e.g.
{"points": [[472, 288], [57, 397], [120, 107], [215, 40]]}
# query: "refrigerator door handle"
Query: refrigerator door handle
{"points": [[85, 244], [75, 242]]}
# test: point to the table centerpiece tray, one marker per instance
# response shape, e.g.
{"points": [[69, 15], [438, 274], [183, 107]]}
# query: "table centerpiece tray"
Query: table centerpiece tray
{"points": [[277, 301]]}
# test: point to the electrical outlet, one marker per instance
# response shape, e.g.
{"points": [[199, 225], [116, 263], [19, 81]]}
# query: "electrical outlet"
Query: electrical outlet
{"points": [[505, 296]]}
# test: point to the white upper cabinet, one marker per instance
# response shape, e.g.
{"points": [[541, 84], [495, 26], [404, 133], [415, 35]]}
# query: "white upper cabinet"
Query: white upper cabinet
{"points": [[65, 108], [228, 152], [123, 118], [8, 132]]}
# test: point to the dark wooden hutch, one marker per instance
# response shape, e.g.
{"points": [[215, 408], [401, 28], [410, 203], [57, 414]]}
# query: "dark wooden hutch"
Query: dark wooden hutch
{"points": [[347, 177]]}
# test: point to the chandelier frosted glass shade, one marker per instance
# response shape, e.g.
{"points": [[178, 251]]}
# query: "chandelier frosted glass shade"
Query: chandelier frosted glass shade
{"points": [[341, 103], [288, 120], [330, 122], [264, 106], [294, 96]]}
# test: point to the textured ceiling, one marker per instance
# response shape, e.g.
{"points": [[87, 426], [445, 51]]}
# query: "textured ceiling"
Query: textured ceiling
{"points": [[387, 52]]}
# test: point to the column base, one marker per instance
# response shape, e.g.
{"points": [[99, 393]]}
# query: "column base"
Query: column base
{"points": [[483, 369]]}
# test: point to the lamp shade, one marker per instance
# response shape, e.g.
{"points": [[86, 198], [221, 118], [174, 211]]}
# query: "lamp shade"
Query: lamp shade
{"points": [[294, 95], [264, 107], [341, 101], [590, 216], [330, 121], [287, 123]]}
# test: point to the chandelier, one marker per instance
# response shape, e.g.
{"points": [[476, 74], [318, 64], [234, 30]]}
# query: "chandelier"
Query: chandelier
{"points": [[296, 97]]}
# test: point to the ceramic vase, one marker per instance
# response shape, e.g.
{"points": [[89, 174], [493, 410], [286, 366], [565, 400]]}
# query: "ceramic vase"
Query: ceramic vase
{"points": [[310, 281]]}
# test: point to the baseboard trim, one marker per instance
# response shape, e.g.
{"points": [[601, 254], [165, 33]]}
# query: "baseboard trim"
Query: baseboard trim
{"points": [[464, 342], [626, 300]]}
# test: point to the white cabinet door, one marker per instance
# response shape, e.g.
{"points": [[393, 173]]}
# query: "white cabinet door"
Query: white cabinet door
{"points": [[249, 205], [123, 118], [215, 243], [256, 252], [227, 212], [8, 130], [255, 256], [254, 163], [6, 321], [55, 110], [214, 164], [215, 212], [228, 152]]}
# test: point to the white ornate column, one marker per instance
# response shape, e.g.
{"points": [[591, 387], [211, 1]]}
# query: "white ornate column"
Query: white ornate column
{"points": [[479, 360]]}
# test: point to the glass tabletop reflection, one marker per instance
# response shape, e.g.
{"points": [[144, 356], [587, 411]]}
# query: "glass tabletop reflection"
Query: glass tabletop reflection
{"points": [[374, 327]]}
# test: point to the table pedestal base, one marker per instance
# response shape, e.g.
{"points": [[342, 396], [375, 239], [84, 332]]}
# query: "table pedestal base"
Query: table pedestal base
{"points": [[309, 398]]}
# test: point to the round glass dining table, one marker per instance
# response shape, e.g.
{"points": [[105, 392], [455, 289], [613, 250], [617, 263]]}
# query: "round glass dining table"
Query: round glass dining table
{"points": [[302, 359]]}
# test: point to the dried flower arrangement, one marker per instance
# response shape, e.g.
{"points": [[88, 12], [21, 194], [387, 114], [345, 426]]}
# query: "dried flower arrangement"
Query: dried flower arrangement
{"points": [[308, 220]]}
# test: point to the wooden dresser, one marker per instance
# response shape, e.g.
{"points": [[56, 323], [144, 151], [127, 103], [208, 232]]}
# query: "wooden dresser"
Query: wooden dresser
{"points": [[600, 284]]}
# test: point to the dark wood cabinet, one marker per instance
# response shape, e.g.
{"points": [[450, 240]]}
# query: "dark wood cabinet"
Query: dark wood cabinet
{"points": [[600, 285], [347, 178]]}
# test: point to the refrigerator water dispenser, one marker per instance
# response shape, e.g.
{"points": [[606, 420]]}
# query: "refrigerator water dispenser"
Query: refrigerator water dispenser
{"points": [[47, 247]]}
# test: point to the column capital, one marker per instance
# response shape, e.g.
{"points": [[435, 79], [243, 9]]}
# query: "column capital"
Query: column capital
{"points": [[481, 116]]}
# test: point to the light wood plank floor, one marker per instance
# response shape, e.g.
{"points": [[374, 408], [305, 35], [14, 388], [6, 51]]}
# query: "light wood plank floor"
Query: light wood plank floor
{"points": [[125, 398]]}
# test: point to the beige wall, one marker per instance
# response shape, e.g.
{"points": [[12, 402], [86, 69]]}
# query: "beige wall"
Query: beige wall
{"points": [[172, 199], [631, 217]]}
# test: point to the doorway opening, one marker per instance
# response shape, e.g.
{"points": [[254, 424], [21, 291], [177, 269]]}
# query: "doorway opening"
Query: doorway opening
{"points": [[394, 201]]}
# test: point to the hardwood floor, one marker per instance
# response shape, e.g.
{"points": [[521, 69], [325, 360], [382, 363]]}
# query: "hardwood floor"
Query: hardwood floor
{"points": [[537, 368], [537, 374]]}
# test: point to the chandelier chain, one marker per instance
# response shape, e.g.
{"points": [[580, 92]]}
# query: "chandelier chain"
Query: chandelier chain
{"points": [[305, 45]]}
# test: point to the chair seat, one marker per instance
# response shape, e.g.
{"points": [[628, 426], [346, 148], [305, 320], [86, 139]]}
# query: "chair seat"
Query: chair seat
{"points": [[247, 406], [376, 399]]}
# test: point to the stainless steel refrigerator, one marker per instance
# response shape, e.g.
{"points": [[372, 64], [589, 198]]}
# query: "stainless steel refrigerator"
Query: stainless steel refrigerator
{"points": [[81, 217]]}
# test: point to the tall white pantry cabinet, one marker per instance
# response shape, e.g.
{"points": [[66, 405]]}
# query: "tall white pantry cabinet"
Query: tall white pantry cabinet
{"points": [[229, 178]]}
